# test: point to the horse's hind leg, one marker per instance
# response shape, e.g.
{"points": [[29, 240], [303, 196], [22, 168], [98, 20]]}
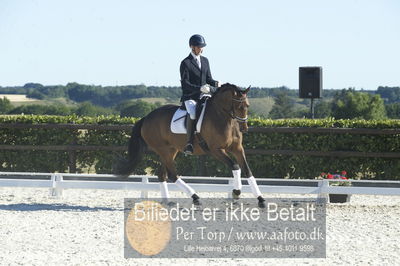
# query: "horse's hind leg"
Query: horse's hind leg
{"points": [[167, 157]]}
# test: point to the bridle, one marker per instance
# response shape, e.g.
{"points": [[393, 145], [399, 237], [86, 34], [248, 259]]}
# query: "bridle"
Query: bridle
{"points": [[241, 120], [232, 111]]}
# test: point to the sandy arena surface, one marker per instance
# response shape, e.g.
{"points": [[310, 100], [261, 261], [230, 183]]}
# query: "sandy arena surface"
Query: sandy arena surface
{"points": [[85, 227]]}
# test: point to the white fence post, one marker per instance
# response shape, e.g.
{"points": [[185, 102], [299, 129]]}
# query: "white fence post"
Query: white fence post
{"points": [[322, 196], [55, 191], [144, 194], [211, 184]]}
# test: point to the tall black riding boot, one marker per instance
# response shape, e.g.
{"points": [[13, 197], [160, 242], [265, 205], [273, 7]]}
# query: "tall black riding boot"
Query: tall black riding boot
{"points": [[190, 136]]}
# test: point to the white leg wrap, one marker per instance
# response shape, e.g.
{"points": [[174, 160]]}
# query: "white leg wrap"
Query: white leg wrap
{"points": [[185, 187], [237, 182], [164, 190], [254, 187]]}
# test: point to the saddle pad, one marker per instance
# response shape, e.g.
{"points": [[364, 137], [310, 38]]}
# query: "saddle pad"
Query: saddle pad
{"points": [[178, 121]]}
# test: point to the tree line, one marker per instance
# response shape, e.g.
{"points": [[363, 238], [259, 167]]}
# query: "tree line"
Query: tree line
{"points": [[112, 95], [98, 100], [103, 96], [137, 108], [345, 104]]}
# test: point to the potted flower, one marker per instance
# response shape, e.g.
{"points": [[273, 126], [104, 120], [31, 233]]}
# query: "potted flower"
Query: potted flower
{"points": [[337, 198]]}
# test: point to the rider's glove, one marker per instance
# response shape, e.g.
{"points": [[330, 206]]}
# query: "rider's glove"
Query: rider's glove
{"points": [[205, 88], [213, 89]]}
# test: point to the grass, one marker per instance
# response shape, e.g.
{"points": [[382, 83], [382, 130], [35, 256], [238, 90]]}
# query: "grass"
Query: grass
{"points": [[21, 99], [261, 106], [17, 98], [163, 101]]}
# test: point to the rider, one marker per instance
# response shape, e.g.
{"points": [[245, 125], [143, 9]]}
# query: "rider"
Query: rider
{"points": [[195, 79]]}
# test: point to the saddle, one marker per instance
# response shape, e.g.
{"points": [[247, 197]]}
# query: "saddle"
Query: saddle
{"points": [[178, 122]]}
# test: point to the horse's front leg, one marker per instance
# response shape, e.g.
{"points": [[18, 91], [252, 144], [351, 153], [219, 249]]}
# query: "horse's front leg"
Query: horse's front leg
{"points": [[240, 157], [222, 156]]}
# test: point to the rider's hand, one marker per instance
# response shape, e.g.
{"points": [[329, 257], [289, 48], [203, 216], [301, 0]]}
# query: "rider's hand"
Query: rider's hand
{"points": [[205, 88]]}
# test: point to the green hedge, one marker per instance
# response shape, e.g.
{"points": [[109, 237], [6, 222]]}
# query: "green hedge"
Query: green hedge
{"points": [[262, 165]]}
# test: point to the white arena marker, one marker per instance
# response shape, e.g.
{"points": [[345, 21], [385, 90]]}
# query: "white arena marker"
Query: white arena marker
{"points": [[164, 190]]}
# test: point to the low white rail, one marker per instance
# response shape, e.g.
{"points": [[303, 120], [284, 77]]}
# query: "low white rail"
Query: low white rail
{"points": [[59, 181]]}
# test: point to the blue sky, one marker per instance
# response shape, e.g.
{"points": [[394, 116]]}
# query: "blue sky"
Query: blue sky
{"points": [[259, 43]]}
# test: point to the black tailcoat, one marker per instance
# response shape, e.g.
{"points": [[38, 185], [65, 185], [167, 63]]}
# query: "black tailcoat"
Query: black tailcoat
{"points": [[192, 77]]}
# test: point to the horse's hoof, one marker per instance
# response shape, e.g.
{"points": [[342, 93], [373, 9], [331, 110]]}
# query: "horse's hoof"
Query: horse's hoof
{"points": [[188, 150], [236, 193], [196, 199], [261, 202]]}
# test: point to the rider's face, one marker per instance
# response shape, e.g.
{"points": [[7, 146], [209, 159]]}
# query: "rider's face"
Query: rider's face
{"points": [[197, 50]]}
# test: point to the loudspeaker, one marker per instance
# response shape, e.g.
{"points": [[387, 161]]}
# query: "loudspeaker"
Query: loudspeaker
{"points": [[310, 82]]}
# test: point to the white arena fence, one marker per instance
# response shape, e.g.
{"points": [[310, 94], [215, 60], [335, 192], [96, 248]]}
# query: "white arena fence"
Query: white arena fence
{"points": [[57, 182]]}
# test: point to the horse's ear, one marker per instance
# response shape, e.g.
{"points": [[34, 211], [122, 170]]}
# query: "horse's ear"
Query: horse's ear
{"points": [[247, 90]]}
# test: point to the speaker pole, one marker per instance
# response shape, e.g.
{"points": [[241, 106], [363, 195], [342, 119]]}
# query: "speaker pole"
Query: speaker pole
{"points": [[312, 108]]}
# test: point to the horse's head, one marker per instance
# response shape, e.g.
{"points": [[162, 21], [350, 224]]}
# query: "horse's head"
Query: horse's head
{"points": [[236, 103]]}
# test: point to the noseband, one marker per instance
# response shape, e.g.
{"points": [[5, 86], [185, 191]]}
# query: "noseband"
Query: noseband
{"points": [[232, 113]]}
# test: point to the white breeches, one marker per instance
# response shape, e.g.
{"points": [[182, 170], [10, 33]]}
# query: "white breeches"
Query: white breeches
{"points": [[191, 108]]}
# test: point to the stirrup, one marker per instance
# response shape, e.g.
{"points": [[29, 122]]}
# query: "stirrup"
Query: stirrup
{"points": [[188, 149]]}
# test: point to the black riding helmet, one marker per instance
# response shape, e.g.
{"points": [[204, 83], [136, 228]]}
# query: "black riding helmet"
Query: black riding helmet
{"points": [[197, 40]]}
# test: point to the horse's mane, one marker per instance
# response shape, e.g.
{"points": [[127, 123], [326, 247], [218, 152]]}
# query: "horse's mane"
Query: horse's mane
{"points": [[225, 87], [220, 90]]}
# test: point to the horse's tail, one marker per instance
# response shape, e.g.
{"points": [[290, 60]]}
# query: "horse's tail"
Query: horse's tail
{"points": [[136, 147]]}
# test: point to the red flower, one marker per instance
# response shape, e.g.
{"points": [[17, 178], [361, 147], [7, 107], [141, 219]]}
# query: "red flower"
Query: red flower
{"points": [[344, 173], [343, 177], [329, 176]]}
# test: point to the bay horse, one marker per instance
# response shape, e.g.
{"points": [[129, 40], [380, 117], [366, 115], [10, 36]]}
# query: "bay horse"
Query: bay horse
{"points": [[225, 119]]}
